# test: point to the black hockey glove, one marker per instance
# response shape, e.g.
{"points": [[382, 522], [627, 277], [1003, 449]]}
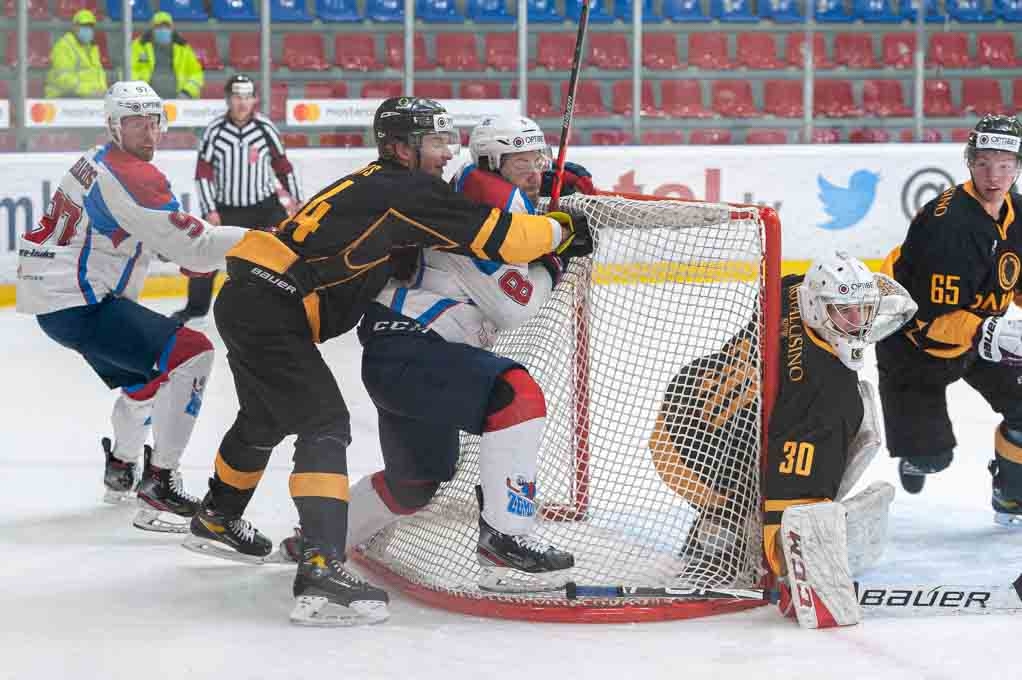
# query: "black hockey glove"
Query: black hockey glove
{"points": [[576, 178], [576, 240]]}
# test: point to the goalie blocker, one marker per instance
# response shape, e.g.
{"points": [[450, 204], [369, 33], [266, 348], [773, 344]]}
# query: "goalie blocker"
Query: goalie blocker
{"points": [[814, 455]]}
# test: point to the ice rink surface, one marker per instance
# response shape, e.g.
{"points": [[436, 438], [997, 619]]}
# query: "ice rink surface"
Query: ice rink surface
{"points": [[86, 596]]}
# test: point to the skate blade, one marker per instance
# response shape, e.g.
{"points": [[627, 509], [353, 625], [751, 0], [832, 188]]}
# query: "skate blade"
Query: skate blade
{"points": [[151, 519], [210, 548], [117, 497], [1007, 519], [495, 579], [319, 611]]}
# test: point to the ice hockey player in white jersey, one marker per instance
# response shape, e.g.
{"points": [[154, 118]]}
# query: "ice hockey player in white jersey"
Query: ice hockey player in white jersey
{"points": [[427, 367], [80, 273]]}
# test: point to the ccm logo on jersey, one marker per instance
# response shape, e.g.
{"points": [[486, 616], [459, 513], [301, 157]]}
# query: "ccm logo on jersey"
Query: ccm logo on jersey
{"points": [[936, 597], [803, 590], [403, 326], [274, 280]]}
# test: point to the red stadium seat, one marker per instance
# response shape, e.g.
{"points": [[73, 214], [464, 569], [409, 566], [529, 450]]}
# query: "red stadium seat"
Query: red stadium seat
{"points": [[37, 9], [206, 50], [660, 52], [541, 98], [588, 99], [825, 136], [869, 136], [294, 140], [899, 49], [502, 51], [554, 51], [342, 139], [104, 49], [610, 137], [458, 52], [304, 52], [793, 51], [356, 52], [36, 88], [708, 51], [554, 138], [179, 139], [278, 102], [884, 98], [937, 99], [66, 8], [331, 89], [683, 99], [766, 136], [609, 51], [434, 89], [758, 51], [381, 89], [621, 99], [982, 96], [929, 135], [996, 50], [783, 98], [1016, 94], [854, 50], [212, 90], [8, 141], [960, 134], [395, 50], [244, 51], [479, 89], [733, 99], [55, 141], [39, 46], [663, 137], [833, 98], [710, 136], [950, 50]]}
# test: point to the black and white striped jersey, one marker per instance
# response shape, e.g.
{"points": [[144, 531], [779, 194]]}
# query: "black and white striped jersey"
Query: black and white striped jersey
{"points": [[236, 165]]}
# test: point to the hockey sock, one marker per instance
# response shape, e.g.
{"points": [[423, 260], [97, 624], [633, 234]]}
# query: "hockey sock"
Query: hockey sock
{"points": [[1008, 454], [189, 360], [319, 485], [130, 419], [374, 505], [507, 453]]}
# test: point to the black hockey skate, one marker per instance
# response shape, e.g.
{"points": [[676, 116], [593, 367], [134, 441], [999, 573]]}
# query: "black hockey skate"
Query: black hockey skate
{"points": [[290, 549], [912, 478], [119, 477], [1007, 511], [161, 499], [507, 554], [326, 594], [228, 537]]}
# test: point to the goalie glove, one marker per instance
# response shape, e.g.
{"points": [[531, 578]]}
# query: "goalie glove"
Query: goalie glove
{"points": [[1000, 340], [576, 240], [576, 178]]}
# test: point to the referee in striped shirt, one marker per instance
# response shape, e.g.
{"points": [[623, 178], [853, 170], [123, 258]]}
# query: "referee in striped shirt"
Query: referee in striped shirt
{"points": [[244, 177]]}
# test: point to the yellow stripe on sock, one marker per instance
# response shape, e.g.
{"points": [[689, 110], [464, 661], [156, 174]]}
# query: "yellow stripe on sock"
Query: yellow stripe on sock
{"points": [[1006, 449], [322, 484], [244, 481]]}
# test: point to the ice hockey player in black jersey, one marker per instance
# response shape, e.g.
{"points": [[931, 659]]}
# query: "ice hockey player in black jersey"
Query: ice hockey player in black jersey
{"points": [[312, 281], [822, 433], [961, 262]]}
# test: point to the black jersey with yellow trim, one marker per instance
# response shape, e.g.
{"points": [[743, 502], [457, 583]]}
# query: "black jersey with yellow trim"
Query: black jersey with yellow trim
{"points": [[336, 249], [816, 415], [961, 266]]}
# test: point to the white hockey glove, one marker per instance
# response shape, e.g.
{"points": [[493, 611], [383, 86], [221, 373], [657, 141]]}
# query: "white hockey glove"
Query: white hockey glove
{"points": [[819, 583], [1000, 340]]}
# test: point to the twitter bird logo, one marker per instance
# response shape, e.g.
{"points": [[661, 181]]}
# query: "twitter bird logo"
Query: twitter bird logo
{"points": [[847, 206]]}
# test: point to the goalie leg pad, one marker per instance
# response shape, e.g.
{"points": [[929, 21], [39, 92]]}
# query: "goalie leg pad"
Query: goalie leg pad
{"points": [[866, 525], [814, 542]]}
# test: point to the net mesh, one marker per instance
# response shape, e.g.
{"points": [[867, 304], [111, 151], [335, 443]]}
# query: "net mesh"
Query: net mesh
{"points": [[649, 357]]}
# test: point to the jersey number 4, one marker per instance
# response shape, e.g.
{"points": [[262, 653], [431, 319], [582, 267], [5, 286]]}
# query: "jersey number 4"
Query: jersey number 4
{"points": [[64, 213]]}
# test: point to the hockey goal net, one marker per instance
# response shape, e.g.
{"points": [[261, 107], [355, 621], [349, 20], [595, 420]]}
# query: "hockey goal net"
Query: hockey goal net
{"points": [[670, 283]]}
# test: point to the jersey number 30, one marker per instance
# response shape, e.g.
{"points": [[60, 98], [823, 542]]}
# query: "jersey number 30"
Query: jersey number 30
{"points": [[798, 458]]}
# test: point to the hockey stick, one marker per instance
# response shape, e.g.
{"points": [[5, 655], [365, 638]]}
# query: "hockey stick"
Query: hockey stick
{"points": [[569, 105], [873, 598]]}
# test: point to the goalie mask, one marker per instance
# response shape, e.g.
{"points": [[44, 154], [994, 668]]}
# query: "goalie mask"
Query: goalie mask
{"points": [[131, 98], [495, 138], [851, 307]]}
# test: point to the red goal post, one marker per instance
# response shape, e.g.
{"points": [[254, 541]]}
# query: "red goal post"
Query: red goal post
{"points": [[670, 283]]}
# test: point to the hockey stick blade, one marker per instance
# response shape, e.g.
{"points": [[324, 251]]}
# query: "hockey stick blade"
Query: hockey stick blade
{"points": [[879, 600]]}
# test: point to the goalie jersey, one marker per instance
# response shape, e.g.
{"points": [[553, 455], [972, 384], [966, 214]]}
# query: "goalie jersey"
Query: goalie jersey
{"points": [[110, 213], [466, 299]]}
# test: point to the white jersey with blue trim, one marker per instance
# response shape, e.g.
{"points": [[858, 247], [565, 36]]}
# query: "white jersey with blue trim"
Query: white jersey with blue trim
{"points": [[465, 299], [110, 213]]}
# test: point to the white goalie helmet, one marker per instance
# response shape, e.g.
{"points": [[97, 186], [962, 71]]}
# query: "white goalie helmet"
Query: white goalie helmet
{"points": [[497, 136], [851, 307], [131, 98]]}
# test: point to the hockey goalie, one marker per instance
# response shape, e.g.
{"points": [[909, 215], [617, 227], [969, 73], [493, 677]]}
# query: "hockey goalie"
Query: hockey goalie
{"points": [[823, 432]]}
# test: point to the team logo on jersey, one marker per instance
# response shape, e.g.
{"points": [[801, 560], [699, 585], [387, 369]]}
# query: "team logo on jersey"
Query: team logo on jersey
{"points": [[521, 496], [1008, 269]]}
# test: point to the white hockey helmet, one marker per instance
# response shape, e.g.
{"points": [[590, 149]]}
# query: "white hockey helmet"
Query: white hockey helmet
{"points": [[497, 136], [131, 98], [839, 299]]}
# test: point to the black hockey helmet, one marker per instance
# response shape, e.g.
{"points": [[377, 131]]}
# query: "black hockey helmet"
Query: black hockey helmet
{"points": [[239, 84], [408, 119], [997, 133]]}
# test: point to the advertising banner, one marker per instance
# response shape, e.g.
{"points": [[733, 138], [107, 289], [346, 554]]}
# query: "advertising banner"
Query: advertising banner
{"points": [[88, 113], [856, 197], [358, 113], [5, 114]]}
